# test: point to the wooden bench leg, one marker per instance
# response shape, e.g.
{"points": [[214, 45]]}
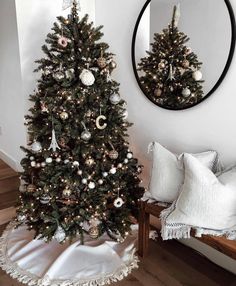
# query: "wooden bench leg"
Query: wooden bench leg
{"points": [[144, 226]]}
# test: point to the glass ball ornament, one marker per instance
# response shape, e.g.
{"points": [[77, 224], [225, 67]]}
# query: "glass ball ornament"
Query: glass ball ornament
{"points": [[197, 75], [31, 188], [115, 99], [36, 147], [113, 154], [118, 203], [100, 181], [48, 160], [94, 232], [59, 76], [87, 77], [21, 218], [79, 172], [186, 92], [84, 181], [91, 185], [126, 161], [64, 115], [66, 192], [58, 160], [86, 135], [45, 199], [101, 62]]}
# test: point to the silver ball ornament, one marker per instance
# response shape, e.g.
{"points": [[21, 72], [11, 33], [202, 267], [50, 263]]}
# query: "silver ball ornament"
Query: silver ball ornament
{"points": [[115, 99], [129, 155], [91, 185], [59, 76], [105, 174], [36, 147], [86, 135], [45, 199], [197, 75], [84, 181], [48, 160]]}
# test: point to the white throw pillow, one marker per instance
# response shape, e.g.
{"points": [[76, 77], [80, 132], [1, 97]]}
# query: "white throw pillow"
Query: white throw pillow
{"points": [[168, 172], [206, 203]]}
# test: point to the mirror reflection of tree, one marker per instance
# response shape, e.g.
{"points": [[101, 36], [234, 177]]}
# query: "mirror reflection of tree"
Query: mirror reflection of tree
{"points": [[171, 74]]}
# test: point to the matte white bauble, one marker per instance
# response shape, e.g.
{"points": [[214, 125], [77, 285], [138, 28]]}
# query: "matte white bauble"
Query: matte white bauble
{"points": [[113, 171], [91, 185], [186, 92], [100, 182], [36, 146], [197, 75], [126, 161], [75, 163], [105, 174], [33, 164], [129, 155], [43, 164], [84, 181], [58, 160], [66, 161], [115, 98], [31, 158], [87, 77], [49, 160], [80, 172]]}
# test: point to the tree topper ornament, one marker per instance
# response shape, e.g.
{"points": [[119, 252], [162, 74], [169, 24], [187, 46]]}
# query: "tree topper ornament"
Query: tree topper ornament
{"points": [[69, 3], [176, 15]]}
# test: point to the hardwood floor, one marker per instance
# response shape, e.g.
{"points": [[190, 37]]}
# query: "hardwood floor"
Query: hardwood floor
{"points": [[168, 263]]}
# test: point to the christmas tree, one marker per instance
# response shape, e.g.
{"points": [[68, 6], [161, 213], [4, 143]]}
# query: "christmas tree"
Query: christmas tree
{"points": [[79, 175], [170, 74]]}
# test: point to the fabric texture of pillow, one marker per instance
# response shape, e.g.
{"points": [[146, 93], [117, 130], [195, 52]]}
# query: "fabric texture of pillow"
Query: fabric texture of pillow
{"points": [[168, 172], [207, 203]]}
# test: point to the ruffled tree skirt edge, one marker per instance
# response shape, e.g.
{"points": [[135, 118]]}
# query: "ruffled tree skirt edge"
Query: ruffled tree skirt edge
{"points": [[14, 259]]}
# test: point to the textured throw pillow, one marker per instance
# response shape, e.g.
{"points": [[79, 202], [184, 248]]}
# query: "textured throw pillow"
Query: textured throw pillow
{"points": [[206, 203], [168, 172]]}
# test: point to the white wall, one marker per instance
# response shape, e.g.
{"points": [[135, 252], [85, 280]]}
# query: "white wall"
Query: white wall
{"points": [[11, 99], [209, 125]]}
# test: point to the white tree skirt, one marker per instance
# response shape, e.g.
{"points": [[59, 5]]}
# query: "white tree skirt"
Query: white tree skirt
{"points": [[34, 262]]}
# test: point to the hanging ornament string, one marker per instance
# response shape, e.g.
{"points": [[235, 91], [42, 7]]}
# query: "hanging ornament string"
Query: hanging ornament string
{"points": [[54, 145], [69, 3]]}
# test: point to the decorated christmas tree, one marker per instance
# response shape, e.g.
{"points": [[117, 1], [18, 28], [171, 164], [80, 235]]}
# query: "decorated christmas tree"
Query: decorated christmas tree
{"points": [[170, 74], [80, 177]]}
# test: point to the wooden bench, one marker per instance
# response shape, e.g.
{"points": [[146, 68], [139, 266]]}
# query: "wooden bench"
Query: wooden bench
{"points": [[227, 247]]}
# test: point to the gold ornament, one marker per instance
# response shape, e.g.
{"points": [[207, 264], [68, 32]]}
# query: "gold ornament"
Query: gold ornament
{"points": [[31, 188], [185, 63], [66, 192], [98, 125], [89, 162], [157, 92], [161, 64], [64, 115], [94, 232], [113, 64], [113, 154], [101, 62]]}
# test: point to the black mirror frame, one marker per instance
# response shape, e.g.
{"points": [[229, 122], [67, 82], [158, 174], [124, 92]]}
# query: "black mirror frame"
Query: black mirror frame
{"points": [[225, 70]]}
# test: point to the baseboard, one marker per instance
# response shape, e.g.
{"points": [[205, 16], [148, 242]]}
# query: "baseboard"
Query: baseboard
{"points": [[10, 161]]}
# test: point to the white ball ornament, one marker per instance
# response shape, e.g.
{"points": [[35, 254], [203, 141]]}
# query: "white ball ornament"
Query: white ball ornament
{"points": [[113, 171], [126, 161], [75, 163], [105, 174], [186, 92], [58, 160], [66, 161], [91, 185], [129, 155], [84, 181], [87, 77], [43, 164], [197, 75], [38, 165], [49, 160], [33, 164], [80, 172], [100, 182], [31, 158], [115, 99], [36, 147]]}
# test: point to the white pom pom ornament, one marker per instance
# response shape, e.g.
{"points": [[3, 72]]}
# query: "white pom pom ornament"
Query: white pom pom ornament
{"points": [[87, 77]]}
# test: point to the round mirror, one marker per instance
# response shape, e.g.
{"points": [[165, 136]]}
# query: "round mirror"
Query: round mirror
{"points": [[181, 53]]}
